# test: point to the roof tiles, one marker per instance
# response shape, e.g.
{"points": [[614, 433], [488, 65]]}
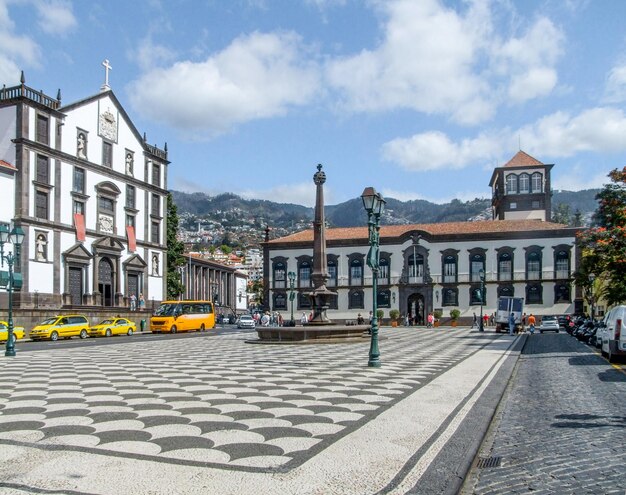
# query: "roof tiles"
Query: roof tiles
{"points": [[522, 159]]}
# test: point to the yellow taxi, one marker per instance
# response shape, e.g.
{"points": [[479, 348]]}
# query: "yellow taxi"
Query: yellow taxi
{"points": [[18, 332], [61, 326], [113, 326]]}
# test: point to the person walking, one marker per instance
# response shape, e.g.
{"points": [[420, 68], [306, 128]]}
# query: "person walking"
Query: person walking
{"points": [[431, 320], [511, 323], [475, 320], [303, 319], [133, 302], [142, 302], [531, 323]]}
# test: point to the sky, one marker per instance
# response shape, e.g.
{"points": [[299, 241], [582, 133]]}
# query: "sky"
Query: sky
{"points": [[420, 99]]}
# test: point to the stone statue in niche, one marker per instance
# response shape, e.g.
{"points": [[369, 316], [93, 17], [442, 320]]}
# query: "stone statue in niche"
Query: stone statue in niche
{"points": [[81, 146], [129, 163], [40, 248], [155, 265]]}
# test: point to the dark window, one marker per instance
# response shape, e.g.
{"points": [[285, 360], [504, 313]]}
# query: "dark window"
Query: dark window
{"points": [[280, 301], [355, 300], [533, 294], [449, 269], [41, 205], [78, 184], [304, 301], [561, 264], [156, 174], [383, 271], [533, 265], [475, 296], [130, 220], [79, 207], [332, 273], [449, 297], [43, 169], [416, 269], [130, 196], [106, 204], [561, 293], [280, 275], [506, 290], [156, 205], [155, 237], [477, 263], [384, 299], [42, 129], [107, 154]]}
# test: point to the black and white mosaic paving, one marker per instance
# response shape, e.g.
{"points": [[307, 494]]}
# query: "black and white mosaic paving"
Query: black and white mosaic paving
{"points": [[216, 401]]}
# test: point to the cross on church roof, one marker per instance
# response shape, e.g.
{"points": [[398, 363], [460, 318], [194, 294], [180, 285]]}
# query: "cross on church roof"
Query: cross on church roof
{"points": [[107, 68]]}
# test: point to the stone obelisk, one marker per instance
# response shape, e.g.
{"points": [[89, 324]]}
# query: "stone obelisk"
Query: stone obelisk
{"points": [[320, 296]]}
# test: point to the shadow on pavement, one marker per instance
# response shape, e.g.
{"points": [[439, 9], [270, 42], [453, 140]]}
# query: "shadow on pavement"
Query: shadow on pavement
{"points": [[589, 421], [612, 375]]}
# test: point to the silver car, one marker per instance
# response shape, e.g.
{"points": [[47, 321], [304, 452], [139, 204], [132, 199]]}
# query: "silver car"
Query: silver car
{"points": [[549, 324], [245, 321]]}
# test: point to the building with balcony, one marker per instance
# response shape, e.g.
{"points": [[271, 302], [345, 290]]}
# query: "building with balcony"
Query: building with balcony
{"points": [[89, 193], [424, 267]]}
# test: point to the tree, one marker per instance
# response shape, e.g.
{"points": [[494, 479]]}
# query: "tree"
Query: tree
{"points": [[604, 245], [561, 214], [175, 249]]}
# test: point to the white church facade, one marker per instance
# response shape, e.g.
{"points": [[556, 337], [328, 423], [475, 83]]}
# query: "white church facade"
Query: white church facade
{"points": [[430, 267], [90, 195]]}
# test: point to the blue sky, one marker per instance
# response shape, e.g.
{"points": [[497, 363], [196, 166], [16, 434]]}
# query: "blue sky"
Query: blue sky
{"points": [[418, 98]]}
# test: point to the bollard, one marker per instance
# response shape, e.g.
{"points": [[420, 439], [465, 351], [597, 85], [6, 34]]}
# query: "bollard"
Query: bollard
{"points": [[142, 324]]}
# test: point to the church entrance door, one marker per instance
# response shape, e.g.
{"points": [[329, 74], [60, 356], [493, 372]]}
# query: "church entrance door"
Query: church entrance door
{"points": [[105, 281], [415, 305], [76, 285]]}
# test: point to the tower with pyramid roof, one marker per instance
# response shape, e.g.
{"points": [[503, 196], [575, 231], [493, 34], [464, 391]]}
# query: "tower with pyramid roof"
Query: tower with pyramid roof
{"points": [[521, 189]]}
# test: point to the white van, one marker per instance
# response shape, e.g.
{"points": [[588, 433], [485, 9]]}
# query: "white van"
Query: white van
{"points": [[614, 334]]}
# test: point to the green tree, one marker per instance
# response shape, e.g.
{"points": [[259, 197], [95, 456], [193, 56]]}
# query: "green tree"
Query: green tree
{"points": [[175, 249], [561, 214], [604, 245]]}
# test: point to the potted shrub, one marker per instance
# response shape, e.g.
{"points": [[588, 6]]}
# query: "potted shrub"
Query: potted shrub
{"points": [[394, 314], [380, 314], [437, 314], [454, 314]]}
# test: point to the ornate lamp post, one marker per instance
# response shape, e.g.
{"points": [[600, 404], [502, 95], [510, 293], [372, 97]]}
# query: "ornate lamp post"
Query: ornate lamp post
{"points": [[292, 295], [374, 204], [481, 274], [592, 278], [10, 281]]}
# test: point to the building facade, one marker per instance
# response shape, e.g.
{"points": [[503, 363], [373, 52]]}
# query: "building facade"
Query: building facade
{"points": [[430, 267], [89, 193]]}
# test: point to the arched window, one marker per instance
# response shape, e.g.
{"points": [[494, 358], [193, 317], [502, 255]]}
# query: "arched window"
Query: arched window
{"points": [[449, 297], [506, 291], [280, 275], [511, 184], [537, 182], [561, 264], [476, 297], [331, 266], [384, 299], [561, 293], [355, 300], [533, 265], [383, 270], [524, 183], [304, 274], [356, 272], [533, 294], [477, 263], [449, 269], [505, 267], [304, 301]]}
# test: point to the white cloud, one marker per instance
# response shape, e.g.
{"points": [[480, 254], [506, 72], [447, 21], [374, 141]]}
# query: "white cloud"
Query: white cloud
{"points": [[615, 91], [55, 16], [435, 59], [16, 51], [257, 76], [149, 54]]}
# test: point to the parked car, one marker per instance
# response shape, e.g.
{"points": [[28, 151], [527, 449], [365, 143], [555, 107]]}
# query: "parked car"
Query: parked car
{"points": [[613, 335], [64, 326], [18, 332], [564, 321], [245, 321], [113, 326], [549, 324]]}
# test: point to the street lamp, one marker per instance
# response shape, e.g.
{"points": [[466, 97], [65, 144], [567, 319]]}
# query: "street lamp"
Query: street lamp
{"points": [[481, 274], [10, 280], [374, 204], [592, 278], [292, 295]]}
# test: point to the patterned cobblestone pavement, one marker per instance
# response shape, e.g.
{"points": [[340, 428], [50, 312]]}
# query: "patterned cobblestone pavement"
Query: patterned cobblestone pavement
{"points": [[561, 428], [215, 401]]}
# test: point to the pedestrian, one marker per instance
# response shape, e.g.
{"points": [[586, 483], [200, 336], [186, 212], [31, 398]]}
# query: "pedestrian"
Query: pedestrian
{"points": [[142, 302], [475, 320], [265, 320], [407, 320], [360, 320], [531, 323], [133, 302], [485, 320], [431, 320], [303, 319], [371, 317], [511, 323]]}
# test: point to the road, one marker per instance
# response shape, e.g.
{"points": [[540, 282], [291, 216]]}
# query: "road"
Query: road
{"points": [[560, 427]]}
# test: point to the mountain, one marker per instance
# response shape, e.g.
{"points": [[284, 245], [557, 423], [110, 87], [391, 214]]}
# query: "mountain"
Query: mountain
{"points": [[231, 216]]}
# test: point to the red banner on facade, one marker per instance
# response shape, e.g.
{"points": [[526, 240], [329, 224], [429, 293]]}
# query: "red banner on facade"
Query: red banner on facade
{"points": [[79, 222], [132, 242]]}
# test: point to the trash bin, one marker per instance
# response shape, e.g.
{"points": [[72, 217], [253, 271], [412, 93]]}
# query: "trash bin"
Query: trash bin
{"points": [[142, 325]]}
